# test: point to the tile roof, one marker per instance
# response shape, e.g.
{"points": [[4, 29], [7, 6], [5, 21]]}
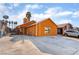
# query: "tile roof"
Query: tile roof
{"points": [[26, 24]]}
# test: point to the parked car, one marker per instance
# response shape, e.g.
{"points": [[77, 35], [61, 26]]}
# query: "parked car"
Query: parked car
{"points": [[71, 33]]}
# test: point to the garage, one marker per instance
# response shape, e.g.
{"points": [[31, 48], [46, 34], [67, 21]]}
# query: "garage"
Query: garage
{"points": [[63, 27], [60, 31]]}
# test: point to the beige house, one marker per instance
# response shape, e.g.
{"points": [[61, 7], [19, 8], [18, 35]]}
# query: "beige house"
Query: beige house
{"points": [[3, 27], [63, 27]]}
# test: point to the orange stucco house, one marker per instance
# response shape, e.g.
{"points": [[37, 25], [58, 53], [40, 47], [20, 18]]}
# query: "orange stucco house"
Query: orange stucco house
{"points": [[45, 27]]}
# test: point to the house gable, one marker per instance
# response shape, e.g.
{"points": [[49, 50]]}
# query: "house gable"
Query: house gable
{"points": [[49, 21]]}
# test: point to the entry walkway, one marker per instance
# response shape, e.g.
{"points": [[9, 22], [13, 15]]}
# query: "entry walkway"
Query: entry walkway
{"points": [[52, 45]]}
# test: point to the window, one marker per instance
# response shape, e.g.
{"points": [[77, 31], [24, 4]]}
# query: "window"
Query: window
{"points": [[47, 29]]}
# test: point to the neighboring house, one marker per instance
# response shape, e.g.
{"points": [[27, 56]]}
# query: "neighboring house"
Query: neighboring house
{"points": [[3, 27], [63, 27], [45, 27], [76, 28]]}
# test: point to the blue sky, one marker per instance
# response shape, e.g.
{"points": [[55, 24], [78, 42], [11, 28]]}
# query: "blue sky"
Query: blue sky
{"points": [[58, 12]]}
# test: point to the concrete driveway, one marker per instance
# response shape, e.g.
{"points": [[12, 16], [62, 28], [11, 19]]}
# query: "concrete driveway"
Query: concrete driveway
{"points": [[58, 45]]}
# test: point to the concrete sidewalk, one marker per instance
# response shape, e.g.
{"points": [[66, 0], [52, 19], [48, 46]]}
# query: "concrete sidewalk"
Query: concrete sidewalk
{"points": [[8, 47]]}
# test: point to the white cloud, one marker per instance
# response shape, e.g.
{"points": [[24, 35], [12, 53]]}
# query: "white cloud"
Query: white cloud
{"points": [[50, 10], [76, 14], [10, 7], [65, 21], [2, 8], [39, 17], [6, 11], [64, 13], [16, 4], [53, 10], [27, 8], [13, 5], [34, 6], [49, 13], [19, 17], [60, 12]]}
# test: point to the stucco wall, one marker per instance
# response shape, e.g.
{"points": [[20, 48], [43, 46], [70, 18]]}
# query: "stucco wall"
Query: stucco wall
{"points": [[47, 23], [31, 30]]}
